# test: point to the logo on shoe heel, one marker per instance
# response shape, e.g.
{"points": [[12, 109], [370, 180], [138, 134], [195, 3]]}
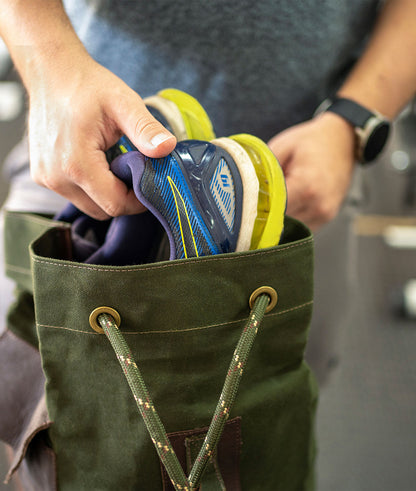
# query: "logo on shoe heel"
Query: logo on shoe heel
{"points": [[225, 180], [222, 189]]}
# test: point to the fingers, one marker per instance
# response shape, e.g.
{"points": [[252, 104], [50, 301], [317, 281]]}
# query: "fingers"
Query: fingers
{"points": [[105, 197], [309, 203], [88, 183], [70, 159], [317, 164], [144, 131], [282, 148], [103, 193]]}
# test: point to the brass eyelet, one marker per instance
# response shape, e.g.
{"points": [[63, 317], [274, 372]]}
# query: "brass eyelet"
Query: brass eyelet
{"points": [[103, 310], [268, 290]]}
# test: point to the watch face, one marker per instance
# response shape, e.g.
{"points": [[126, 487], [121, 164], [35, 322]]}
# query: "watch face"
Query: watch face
{"points": [[376, 141]]}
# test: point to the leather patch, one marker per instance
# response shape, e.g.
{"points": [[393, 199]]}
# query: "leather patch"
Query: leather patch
{"points": [[223, 471]]}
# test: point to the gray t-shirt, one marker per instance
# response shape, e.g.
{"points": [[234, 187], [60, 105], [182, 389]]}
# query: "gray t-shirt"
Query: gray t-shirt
{"points": [[256, 66]]}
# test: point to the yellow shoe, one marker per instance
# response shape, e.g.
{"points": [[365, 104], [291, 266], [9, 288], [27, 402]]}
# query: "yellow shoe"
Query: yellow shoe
{"points": [[182, 114], [272, 197]]}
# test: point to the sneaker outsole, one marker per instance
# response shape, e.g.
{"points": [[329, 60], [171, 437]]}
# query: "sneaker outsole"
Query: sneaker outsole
{"points": [[197, 123], [272, 197]]}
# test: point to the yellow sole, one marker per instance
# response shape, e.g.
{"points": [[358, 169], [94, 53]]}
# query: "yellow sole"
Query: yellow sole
{"points": [[197, 123], [271, 205]]}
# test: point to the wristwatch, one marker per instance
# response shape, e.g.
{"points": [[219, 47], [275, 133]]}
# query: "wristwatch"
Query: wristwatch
{"points": [[371, 128]]}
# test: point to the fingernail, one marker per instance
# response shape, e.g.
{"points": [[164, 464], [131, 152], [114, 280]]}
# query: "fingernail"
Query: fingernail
{"points": [[159, 138]]}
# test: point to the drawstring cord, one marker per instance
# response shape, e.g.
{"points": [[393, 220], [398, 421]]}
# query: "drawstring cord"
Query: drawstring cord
{"points": [[148, 412]]}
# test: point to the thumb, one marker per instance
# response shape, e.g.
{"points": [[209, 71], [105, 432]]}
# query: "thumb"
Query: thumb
{"points": [[143, 129]]}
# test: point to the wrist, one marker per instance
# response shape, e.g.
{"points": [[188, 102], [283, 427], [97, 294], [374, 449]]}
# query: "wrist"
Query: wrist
{"points": [[336, 125], [47, 67], [371, 129], [40, 38]]}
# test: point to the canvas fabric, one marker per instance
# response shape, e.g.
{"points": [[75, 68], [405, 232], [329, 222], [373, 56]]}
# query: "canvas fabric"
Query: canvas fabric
{"points": [[182, 320]]}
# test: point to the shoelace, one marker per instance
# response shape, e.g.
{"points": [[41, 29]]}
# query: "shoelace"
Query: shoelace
{"points": [[148, 412]]}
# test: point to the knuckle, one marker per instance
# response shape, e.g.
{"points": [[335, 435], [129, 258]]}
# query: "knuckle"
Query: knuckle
{"points": [[53, 183], [72, 170], [37, 170], [42, 177], [309, 193], [113, 209], [37, 177], [324, 208], [97, 213], [326, 211], [145, 124]]}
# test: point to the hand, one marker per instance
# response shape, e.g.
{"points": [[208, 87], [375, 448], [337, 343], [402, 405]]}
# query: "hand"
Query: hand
{"points": [[77, 111], [317, 158]]}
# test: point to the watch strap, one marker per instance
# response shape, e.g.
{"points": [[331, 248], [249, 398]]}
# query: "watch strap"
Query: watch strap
{"points": [[354, 113]]}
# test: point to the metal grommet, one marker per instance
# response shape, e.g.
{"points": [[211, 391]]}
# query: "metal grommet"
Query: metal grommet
{"points": [[103, 310], [268, 290]]}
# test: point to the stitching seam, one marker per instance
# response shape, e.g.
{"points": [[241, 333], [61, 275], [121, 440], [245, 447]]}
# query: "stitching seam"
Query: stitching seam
{"points": [[18, 269], [172, 264], [221, 324]]}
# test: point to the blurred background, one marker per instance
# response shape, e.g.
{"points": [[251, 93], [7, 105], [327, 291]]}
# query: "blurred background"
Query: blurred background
{"points": [[367, 415]]}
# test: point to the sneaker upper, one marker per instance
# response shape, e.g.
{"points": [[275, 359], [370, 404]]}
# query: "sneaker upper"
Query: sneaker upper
{"points": [[195, 192]]}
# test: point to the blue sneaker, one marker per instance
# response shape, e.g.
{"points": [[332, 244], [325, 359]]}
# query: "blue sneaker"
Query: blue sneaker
{"points": [[203, 194]]}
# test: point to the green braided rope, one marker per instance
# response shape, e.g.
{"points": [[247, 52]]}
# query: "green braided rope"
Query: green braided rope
{"points": [[144, 403], [222, 411], [229, 390]]}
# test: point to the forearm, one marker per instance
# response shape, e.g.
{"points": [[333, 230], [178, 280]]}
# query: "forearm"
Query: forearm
{"points": [[77, 110], [384, 79], [39, 37]]}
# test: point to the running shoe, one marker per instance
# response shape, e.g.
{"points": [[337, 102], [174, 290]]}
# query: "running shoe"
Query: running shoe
{"points": [[210, 198], [179, 112], [204, 195], [272, 198], [182, 114]]}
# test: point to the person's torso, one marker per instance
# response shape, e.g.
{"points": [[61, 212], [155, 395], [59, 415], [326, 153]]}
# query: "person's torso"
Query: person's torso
{"points": [[257, 67]]}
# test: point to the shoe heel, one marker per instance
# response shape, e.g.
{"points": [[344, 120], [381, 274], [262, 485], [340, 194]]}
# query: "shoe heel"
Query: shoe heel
{"points": [[250, 189]]}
